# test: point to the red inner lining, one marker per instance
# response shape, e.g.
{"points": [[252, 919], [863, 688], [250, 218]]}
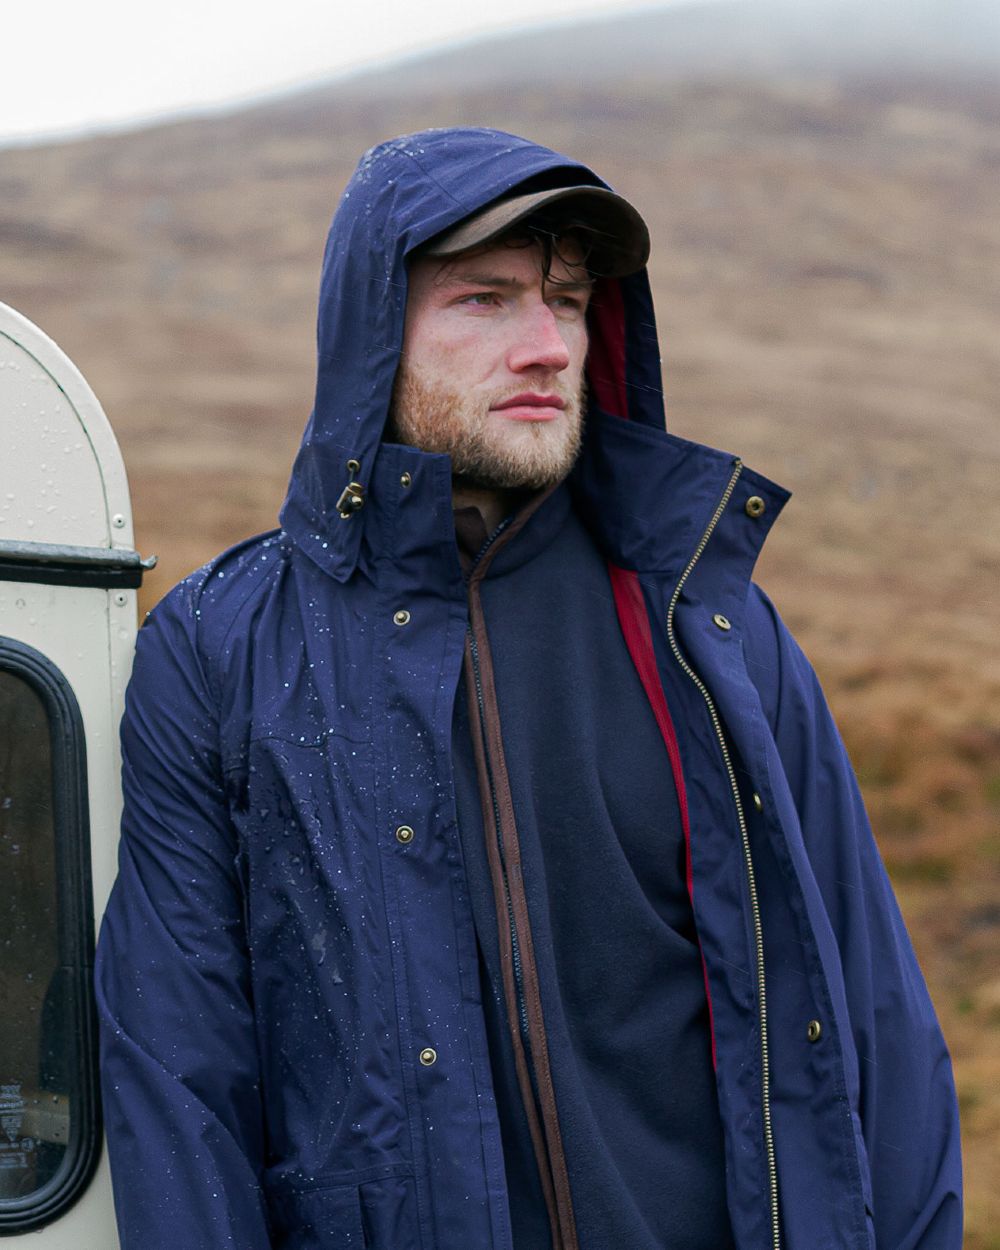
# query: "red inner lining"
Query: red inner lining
{"points": [[606, 354]]}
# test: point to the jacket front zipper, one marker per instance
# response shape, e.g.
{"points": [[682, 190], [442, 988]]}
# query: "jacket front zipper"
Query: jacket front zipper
{"points": [[758, 931]]}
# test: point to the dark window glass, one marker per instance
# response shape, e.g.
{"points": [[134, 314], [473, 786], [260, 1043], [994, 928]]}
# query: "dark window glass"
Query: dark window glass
{"points": [[35, 1032], [48, 1124]]}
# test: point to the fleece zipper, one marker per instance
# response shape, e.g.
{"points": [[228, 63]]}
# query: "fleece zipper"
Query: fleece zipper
{"points": [[522, 992]]}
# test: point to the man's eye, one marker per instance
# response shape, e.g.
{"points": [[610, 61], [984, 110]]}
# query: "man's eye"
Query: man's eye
{"points": [[479, 299], [570, 303]]}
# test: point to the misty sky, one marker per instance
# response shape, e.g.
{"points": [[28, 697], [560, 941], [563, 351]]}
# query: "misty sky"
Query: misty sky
{"points": [[73, 65]]}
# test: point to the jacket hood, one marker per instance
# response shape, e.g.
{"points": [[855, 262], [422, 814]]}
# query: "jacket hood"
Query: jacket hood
{"points": [[402, 193]]}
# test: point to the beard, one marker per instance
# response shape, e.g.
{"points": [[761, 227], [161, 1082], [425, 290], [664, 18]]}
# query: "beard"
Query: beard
{"points": [[486, 449]]}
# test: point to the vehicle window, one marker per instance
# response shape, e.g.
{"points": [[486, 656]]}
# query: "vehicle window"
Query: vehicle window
{"points": [[48, 1126]]}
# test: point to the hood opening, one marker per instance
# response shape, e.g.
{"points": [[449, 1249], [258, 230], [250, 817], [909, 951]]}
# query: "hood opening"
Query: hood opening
{"points": [[403, 193]]}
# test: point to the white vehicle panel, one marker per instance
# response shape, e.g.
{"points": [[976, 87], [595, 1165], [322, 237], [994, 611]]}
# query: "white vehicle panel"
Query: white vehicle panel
{"points": [[64, 498]]}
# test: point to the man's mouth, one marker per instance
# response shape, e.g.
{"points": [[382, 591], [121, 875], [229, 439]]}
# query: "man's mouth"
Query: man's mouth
{"points": [[531, 406]]}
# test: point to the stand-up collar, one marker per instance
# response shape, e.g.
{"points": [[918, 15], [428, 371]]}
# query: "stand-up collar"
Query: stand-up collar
{"points": [[648, 497], [533, 525]]}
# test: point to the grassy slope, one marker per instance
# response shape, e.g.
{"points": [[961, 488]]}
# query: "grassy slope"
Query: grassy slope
{"points": [[827, 256]]}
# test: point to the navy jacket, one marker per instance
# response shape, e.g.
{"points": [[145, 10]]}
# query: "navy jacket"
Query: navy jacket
{"points": [[276, 963]]}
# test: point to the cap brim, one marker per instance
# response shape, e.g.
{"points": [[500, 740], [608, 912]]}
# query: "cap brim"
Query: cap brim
{"points": [[621, 239]]}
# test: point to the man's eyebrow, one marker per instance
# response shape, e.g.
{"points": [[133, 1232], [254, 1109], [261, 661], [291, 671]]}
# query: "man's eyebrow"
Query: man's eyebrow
{"points": [[479, 279], [492, 279]]}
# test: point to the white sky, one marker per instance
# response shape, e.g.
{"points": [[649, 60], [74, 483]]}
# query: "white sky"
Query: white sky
{"points": [[74, 65]]}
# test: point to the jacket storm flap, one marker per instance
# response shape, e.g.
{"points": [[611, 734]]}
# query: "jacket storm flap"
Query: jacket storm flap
{"points": [[275, 961]]}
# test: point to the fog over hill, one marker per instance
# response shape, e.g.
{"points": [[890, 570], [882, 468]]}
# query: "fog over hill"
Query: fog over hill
{"points": [[820, 182], [731, 38]]}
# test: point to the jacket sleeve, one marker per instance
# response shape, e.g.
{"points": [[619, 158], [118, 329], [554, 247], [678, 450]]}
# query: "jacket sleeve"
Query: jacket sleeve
{"points": [[179, 1059], [908, 1106]]}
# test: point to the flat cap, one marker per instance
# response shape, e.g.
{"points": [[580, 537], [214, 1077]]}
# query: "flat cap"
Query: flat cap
{"points": [[620, 239]]}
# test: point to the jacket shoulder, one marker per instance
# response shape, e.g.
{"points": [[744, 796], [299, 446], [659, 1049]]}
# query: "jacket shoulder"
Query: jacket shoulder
{"points": [[211, 601], [774, 659]]}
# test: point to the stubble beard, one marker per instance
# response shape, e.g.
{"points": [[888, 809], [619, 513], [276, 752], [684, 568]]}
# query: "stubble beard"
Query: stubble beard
{"points": [[488, 451]]}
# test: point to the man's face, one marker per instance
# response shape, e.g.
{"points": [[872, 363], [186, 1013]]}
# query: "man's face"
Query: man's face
{"points": [[491, 371]]}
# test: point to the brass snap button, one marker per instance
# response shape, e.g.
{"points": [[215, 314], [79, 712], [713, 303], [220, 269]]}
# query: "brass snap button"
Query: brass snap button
{"points": [[722, 621], [755, 506], [758, 802], [405, 480], [402, 617], [813, 1030], [404, 834], [428, 1056]]}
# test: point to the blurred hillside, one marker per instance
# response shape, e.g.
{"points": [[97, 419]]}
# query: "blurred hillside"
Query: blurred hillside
{"points": [[822, 199]]}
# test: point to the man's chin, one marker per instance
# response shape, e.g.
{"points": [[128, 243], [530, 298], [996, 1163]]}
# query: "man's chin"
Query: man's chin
{"points": [[514, 475], [529, 463], [486, 452], [528, 483]]}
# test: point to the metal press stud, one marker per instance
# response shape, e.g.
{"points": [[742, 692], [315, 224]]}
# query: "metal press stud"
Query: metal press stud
{"points": [[755, 506], [402, 617], [758, 802], [428, 1056], [813, 1030], [405, 480], [404, 834], [721, 621]]}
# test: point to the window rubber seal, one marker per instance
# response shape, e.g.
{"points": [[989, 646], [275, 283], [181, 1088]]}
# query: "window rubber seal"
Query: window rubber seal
{"points": [[75, 903]]}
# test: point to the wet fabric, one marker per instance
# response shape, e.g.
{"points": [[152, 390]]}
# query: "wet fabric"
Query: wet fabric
{"points": [[294, 1048], [603, 858]]}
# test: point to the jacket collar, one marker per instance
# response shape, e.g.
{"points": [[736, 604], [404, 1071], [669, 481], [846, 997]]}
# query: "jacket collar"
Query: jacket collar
{"points": [[646, 496], [649, 496]]}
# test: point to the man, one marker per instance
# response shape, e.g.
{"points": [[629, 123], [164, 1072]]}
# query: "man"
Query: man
{"points": [[492, 874]]}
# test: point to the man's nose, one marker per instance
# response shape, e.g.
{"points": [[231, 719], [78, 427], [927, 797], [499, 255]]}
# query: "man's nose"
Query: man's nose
{"points": [[539, 342]]}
